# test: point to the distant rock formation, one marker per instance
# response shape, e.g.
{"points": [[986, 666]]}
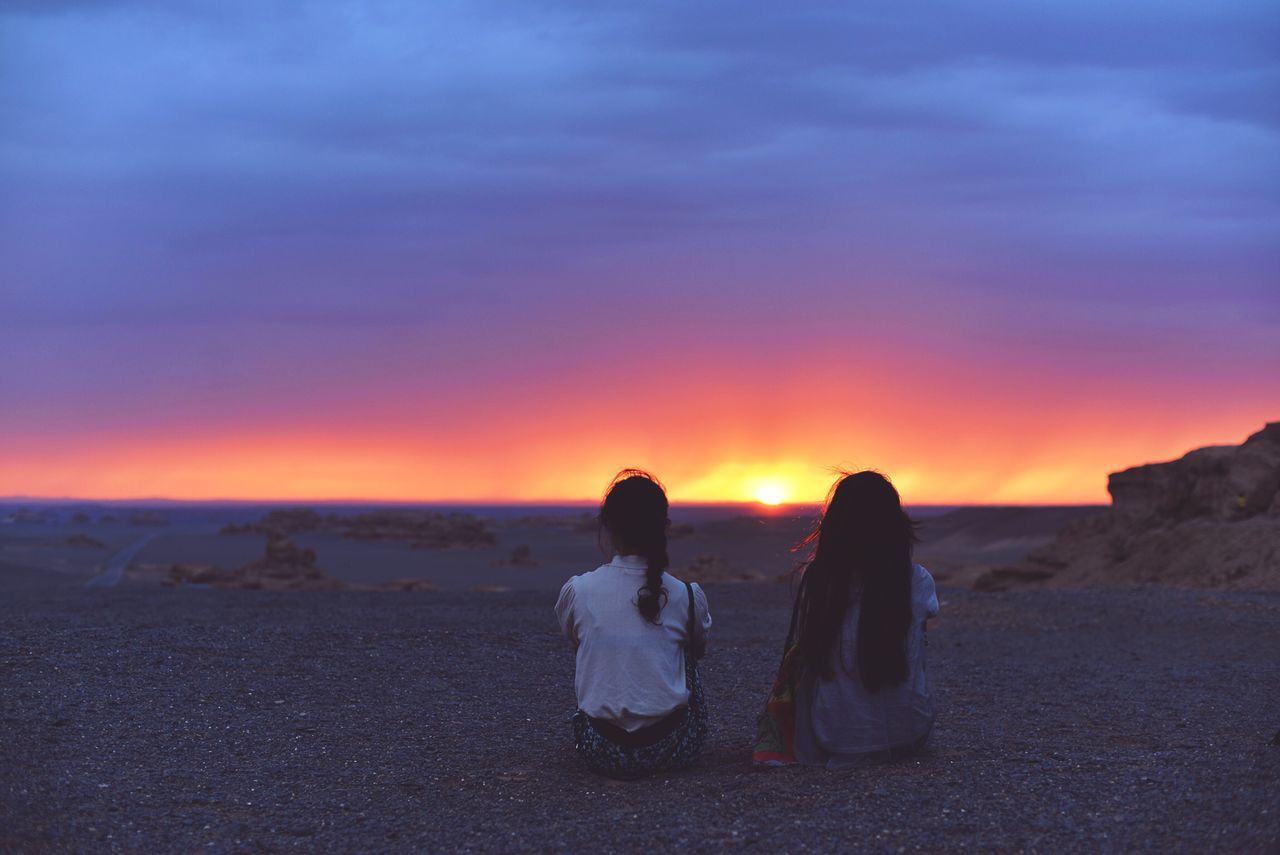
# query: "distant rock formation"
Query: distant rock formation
{"points": [[521, 556], [1210, 519], [296, 520], [286, 566], [1221, 482], [406, 585], [283, 567], [84, 540], [713, 568], [586, 522], [27, 516], [185, 574], [428, 529], [582, 523]]}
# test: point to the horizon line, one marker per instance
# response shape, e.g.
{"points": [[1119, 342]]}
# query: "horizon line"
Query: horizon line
{"points": [[491, 502]]}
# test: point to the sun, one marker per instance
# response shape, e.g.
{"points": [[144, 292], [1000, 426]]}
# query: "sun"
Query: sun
{"points": [[771, 493]]}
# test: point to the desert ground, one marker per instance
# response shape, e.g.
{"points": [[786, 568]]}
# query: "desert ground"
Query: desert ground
{"points": [[720, 543], [147, 714], [143, 720]]}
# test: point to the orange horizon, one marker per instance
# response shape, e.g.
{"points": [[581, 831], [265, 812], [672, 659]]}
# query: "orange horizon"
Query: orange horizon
{"points": [[966, 468], [586, 503]]}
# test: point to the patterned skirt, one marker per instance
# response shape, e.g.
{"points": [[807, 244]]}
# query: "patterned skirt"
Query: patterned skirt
{"points": [[675, 750]]}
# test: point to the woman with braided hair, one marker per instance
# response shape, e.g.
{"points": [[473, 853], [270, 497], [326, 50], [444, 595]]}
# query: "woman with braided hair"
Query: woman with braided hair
{"points": [[637, 632]]}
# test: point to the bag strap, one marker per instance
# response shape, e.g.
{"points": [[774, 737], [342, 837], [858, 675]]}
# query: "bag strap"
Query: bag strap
{"points": [[695, 646]]}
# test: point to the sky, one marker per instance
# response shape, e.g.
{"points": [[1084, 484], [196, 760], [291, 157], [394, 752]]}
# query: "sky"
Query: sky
{"points": [[497, 251]]}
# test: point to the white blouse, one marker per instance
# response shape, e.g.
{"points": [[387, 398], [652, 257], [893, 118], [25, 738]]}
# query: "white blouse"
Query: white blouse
{"points": [[629, 671]]}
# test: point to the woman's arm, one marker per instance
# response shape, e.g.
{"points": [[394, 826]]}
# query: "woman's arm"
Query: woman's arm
{"points": [[564, 614], [701, 610]]}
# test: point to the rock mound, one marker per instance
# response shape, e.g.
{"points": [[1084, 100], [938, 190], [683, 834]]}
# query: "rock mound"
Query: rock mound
{"points": [[284, 567], [431, 529], [1221, 482], [406, 585], [1210, 519], [420, 528], [713, 568], [521, 556]]}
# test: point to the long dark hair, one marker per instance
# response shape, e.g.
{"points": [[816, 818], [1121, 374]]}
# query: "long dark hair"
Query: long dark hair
{"points": [[861, 556], [634, 512]]}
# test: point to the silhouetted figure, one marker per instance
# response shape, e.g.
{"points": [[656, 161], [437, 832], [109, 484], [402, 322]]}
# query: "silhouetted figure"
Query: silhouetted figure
{"points": [[854, 672], [637, 632]]}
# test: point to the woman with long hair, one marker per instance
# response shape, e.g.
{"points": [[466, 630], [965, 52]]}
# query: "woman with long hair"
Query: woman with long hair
{"points": [[637, 632], [859, 630]]}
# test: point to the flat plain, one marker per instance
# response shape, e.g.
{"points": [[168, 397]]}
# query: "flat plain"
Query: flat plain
{"points": [[142, 718]]}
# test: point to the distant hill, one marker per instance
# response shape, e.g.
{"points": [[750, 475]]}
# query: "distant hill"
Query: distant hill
{"points": [[1210, 519]]}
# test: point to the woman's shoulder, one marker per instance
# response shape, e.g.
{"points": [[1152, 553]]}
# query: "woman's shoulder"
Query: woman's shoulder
{"points": [[671, 581], [678, 597], [588, 578], [924, 592], [669, 578], [922, 584]]}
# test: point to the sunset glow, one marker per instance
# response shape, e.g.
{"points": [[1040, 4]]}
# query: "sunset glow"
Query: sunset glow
{"points": [[771, 493], [1034, 462], [462, 252]]}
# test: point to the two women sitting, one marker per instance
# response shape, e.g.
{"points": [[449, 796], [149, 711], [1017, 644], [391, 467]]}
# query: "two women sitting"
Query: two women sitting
{"points": [[852, 683]]}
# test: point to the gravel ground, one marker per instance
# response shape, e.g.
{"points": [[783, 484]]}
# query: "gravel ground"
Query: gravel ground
{"points": [[141, 719]]}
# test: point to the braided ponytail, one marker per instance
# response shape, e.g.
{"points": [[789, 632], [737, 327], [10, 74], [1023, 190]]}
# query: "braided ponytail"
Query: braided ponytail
{"points": [[652, 597], [634, 512]]}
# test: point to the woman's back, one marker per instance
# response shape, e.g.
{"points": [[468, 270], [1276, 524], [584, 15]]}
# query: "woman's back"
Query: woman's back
{"points": [[637, 633], [839, 721], [630, 671]]}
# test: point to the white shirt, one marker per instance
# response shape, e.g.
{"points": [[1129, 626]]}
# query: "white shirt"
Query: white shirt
{"points": [[844, 720], [629, 671]]}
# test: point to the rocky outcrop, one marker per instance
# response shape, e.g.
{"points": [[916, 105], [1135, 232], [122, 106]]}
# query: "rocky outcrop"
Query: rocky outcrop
{"points": [[284, 567], [522, 556], [713, 568], [187, 574], [1222, 482], [27, 516], [297, 520], [430, 529], [406, 586], [1210, 519], [420, 528]]}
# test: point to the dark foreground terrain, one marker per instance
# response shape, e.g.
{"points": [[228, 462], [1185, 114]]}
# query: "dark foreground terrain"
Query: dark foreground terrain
{"points": [[145, 719]]}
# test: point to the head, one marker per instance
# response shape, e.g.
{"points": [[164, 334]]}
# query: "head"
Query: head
{"points": [[861, 556], [634, 515]]}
